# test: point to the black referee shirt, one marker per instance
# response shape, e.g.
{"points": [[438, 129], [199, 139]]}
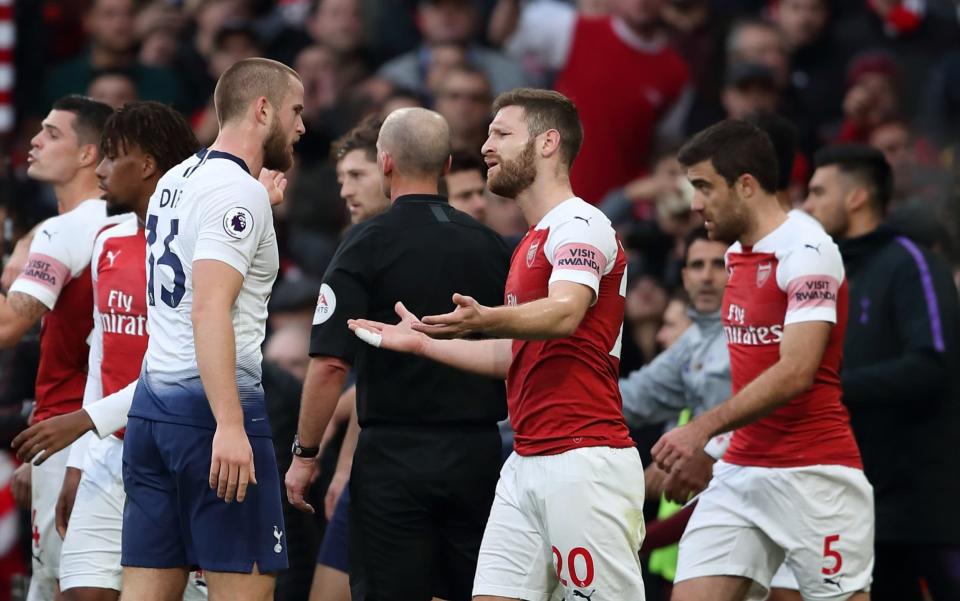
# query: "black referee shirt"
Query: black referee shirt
{"points": [[420, 251]]}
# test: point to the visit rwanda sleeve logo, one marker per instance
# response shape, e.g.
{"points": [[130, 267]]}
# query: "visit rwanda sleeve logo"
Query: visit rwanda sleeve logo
{"points": [[238, 223]]}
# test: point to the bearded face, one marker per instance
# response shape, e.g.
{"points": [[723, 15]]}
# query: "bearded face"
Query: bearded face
{"points": [[277, 148], [512, 176]]}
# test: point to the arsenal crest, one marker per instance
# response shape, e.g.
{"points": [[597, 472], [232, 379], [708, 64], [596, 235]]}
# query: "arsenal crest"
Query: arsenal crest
{"points": [[763, 273], [532, 253]]}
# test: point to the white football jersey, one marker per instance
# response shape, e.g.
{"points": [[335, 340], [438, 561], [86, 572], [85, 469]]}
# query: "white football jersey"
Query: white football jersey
{"points": [[207, 207]]}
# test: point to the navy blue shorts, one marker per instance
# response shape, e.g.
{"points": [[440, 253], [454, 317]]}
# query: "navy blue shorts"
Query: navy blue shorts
{"points": [[172, 518], [333, 549]]}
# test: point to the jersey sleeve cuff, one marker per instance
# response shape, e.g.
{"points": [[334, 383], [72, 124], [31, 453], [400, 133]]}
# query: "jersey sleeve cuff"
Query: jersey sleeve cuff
{"points": [[224, 255], [828, 314], [109, 414], [578, 277], [37, 291]]}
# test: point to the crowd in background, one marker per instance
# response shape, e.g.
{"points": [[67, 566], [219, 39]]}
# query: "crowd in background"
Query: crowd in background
{"points": [[645, 74]]}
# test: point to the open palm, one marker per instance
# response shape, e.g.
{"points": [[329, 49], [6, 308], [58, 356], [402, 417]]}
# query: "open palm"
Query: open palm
{"points": [[400, 337]]}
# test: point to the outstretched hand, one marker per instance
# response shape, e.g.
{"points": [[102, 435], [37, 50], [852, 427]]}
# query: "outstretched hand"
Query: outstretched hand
{"points": [[401, 337], [468, 318]]}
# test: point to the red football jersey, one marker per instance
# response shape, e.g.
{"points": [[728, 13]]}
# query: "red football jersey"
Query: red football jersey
{"points": [[794, 274], [120, 284], [563, 394], [58, 275]]}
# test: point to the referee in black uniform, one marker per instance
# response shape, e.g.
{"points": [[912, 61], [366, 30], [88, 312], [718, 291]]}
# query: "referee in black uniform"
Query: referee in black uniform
{"points": [[428, 457]]}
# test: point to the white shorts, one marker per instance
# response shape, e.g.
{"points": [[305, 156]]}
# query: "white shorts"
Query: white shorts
{"points": [[91, 550], [817, 521], [46, 481], [567, 524]]}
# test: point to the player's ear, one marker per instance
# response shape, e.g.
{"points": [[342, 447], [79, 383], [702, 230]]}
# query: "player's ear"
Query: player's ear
{"points": [[89, 154], [262, 110], [149, 167], [550, 144], [857, 198]]}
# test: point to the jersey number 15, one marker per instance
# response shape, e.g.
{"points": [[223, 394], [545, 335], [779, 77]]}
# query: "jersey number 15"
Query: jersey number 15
{"points": [[173, 297]]}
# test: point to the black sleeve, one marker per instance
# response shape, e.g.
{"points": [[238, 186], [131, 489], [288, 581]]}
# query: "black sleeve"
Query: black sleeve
{"points": [[344, 294], [920, 300]]}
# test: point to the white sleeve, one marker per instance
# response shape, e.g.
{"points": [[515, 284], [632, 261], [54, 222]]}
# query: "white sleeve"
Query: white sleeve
{"points": [[109, 414], [811, 275], [93, 390], [232, 222], [581, 250], [545, 30], [51, 263]]}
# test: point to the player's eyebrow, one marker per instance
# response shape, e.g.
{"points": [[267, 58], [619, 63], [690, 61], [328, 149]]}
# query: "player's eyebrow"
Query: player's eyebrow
{"points": [[51, 127]]}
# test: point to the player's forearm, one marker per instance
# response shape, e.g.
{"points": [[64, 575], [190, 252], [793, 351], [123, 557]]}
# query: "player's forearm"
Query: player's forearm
{"points": [[217, 361], [489, 358], [542, 319], [321, 390], [769, 391]]}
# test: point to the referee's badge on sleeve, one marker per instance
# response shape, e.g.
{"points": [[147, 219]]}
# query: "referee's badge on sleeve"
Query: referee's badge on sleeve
{"points": [[238, 223], [326, 305]]}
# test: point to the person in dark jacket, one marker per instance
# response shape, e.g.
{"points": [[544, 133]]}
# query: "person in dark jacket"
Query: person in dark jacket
{"points": [[899, 375]]}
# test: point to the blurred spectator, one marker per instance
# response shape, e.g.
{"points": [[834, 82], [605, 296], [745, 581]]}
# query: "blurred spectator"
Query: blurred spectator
{"points": [[638, 199], [872, 96], [505, 218], [899, 376], [759, 41], [792, 166], [114, 87], [915, 32], [913, 177], [445, 22], [399, 99], [338, 25], [293, 302], [443, 58], [698, 31], [234, 41], [112, 45], [287, 349], [464, 99], [646, 302], [619, 128], [817, 65], [750, 88], [466, 184], [940, 112], [675, 321], [158, 27]]}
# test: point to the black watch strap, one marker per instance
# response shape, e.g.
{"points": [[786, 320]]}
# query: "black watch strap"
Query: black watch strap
{"points": [[301, 451]]}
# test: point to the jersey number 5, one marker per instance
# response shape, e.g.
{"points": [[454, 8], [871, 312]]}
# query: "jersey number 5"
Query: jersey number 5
{"points": [[173, 297]]}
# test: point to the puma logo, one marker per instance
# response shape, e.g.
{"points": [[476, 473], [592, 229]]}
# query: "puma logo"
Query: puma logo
{"points": [[583, 219], [577, 593], [112, 256], [835, 583], [277, 548], [810, 246], [49, 235]]}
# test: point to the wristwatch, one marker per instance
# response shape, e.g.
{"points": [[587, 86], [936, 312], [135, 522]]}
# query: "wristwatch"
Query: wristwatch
{"points": [[301, 451]]}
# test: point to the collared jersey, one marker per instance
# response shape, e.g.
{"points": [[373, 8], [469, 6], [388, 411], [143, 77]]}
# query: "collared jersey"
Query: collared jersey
{"points": [[208, 207], [58, 275], [794, 274], [120, 337], [563, 393], [420, 252]]}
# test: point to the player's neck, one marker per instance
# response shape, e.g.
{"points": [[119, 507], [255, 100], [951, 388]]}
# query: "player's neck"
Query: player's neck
{"points": [[83, 186], [241, 142], [542, 196], [783, 197], [861, 225], [768, 216], [401, 186]]}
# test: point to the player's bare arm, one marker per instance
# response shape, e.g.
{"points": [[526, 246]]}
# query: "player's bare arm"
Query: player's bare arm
{"points": [[556, 316], [18, 313], [51, 436], [801, 351], [490, 358], [341, 474], [216, 286], [321, 390]]}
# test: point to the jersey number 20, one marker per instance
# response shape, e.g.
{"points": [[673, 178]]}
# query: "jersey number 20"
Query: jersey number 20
{"points": [[173, 297]]}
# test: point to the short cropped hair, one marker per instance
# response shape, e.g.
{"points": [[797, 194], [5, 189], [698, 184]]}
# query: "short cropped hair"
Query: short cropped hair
{"points": [[866, 165], [362, 137], [784, 136], [734, 148], [90, 116], [155, 128], [247, 80], [544, 110]]}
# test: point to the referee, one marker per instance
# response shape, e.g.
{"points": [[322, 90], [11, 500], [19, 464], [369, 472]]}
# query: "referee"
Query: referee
{"points": [[428, 457]]}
